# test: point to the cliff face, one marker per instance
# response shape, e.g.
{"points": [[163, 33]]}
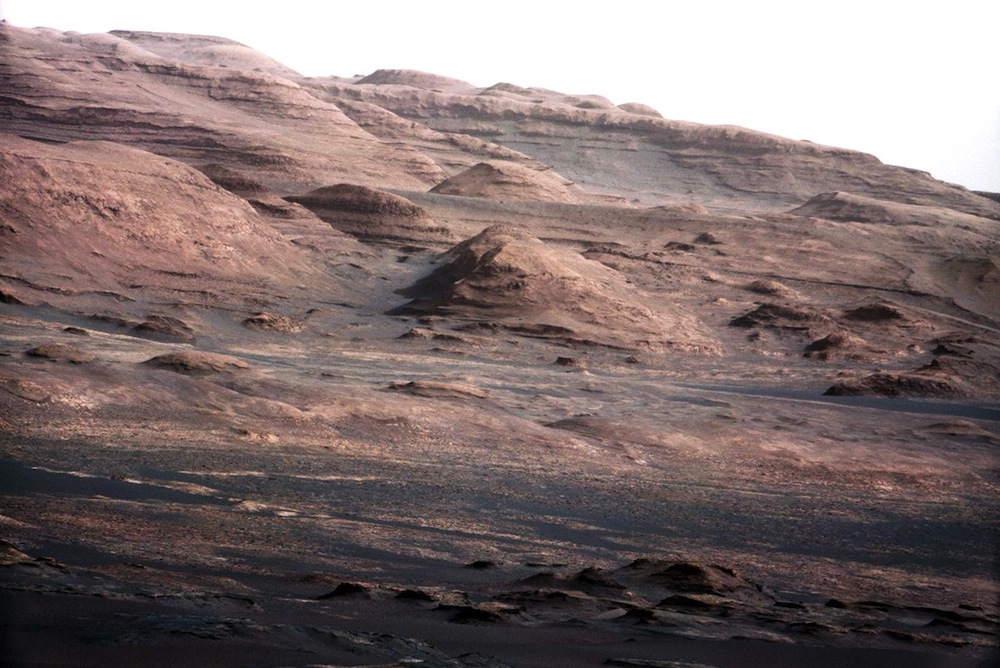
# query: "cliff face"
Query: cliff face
{"points": [[66, 87], [207, 99], [627, 151]]}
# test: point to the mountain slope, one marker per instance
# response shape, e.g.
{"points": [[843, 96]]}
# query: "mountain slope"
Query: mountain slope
{"points": [[250, 369], [653, 160], [87, 221], [66, 86]]}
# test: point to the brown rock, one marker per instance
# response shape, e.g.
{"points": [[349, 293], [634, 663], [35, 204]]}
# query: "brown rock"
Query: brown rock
{"points": [[196, 363], [508, 181], [912, 384], [164, 328], [837, 344], [274, 323], [25, 389], [438, 390], [372, 215], [780, 316], [538, 290], [61, 352]]}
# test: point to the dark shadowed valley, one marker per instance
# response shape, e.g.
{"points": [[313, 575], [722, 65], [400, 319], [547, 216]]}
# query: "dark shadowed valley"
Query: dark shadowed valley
{"points": [[394, 370]]}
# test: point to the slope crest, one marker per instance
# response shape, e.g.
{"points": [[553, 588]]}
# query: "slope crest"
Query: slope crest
{"points": [[205, 50]]}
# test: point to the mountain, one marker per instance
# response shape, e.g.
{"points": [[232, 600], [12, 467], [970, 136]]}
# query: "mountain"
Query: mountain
{"points": [[300, 370], [66, 87]]}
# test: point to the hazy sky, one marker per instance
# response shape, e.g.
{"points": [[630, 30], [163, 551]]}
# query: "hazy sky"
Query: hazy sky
{"points": [[914, 83]]}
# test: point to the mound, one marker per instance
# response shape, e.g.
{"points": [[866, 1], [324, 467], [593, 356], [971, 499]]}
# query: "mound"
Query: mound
{"points": [[781, 317], [372, 215], [679, 211], [930, 381], [590, 580], [688, 577], [957, 427], [416, 79], [164, 328], [878, 312], [973, 360], [432, 335], [504, 273], [294, 221], [960, 428], [504, 87], [196, 363], [507, 180], [842, 206], [762, 286], [158, 92], [439, 390], [104, 220], [155, 327], [61, 352], [667, 159], [589, 102], [25, 389], [838, 345]]}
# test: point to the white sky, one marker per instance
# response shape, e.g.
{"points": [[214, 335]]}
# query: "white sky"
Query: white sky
{"points": [[914, 83]]}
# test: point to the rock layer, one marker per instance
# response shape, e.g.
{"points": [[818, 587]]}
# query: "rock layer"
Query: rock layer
{"points": [[103, 219], [498, 180], [505, 274], [373, 215]]}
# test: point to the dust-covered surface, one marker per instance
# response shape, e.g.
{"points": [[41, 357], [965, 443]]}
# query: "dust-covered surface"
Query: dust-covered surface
{"points": [[726, 400]]}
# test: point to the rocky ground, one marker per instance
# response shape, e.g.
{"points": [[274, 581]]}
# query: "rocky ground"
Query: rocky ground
{"points": [[396, 370]]}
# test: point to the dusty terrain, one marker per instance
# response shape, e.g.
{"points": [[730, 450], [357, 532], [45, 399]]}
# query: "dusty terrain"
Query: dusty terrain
{"points": [[394, 370]]}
